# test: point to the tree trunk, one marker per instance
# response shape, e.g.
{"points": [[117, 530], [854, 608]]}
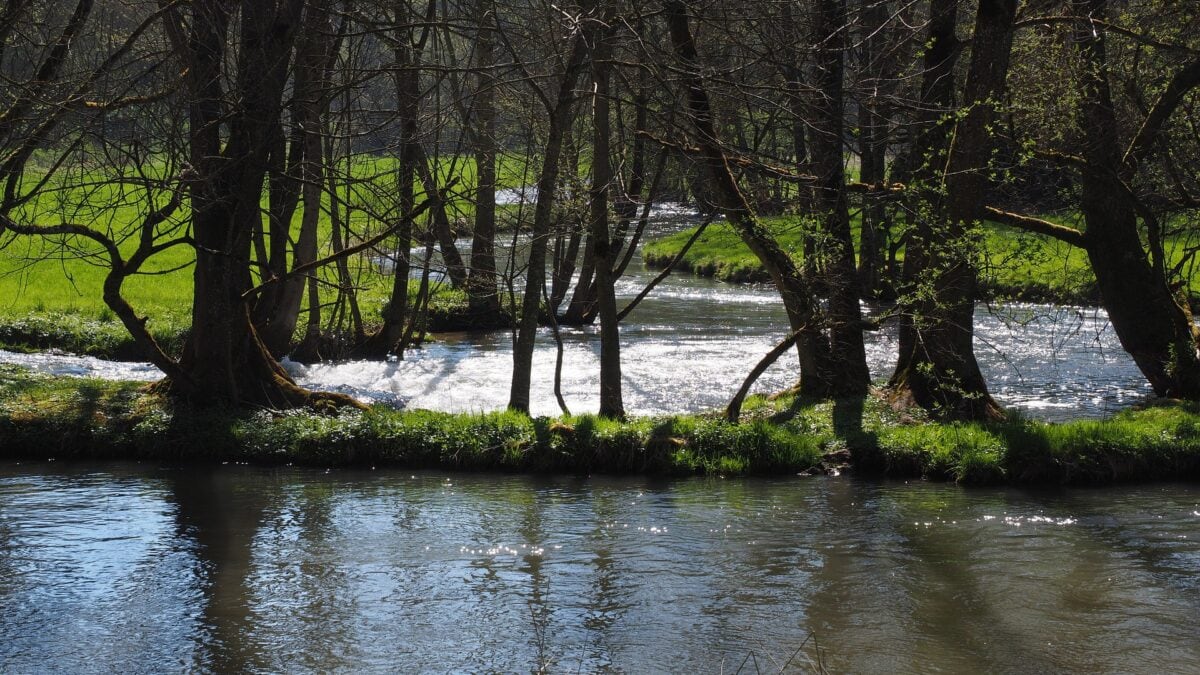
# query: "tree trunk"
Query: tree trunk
{"points": [[1152, 322], [561, 112], [456, 271], [611, 404], [937, 366], [482, 294], [224, 361], [276, 322], [873, 149], [388, 338], [816, 374], [847, 353]]}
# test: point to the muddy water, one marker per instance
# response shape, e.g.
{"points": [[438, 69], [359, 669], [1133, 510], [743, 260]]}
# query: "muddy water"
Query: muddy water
{"points": [[136, 568]]}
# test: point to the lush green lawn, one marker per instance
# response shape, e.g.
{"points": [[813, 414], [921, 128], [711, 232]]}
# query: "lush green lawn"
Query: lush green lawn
{"points": [[53, 286], [45, 417], [1014, 265]]}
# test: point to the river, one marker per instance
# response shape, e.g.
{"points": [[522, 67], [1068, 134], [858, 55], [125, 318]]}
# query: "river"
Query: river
{"points": [[141, 568], [689, 345], [148, 568]]}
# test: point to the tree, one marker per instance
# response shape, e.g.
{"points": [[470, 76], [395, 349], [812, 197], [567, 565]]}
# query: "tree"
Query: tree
{"points": [[816, 374], [559, 109], [230, 132], [937, 366], [611, 404], [843, 316], [1152, 321]]}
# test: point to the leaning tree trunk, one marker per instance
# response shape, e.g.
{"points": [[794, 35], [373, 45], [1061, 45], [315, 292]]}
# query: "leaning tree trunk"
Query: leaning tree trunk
{"points": [[560, 111], [1152, 322], [816, 374]]}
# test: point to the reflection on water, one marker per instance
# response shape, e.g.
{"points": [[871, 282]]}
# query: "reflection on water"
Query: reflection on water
{"points": [[132, 568]]}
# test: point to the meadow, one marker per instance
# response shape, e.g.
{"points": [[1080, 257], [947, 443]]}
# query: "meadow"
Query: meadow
{"points": [[1014, 265]]}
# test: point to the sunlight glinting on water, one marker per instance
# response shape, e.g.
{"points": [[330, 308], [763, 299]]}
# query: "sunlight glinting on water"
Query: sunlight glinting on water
{"points": [[145, 568], [691, 342]]}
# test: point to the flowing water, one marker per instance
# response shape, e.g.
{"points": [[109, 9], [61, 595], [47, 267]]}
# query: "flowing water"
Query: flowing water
{"points": [[140, 568], [148, 568], [690, 344]]}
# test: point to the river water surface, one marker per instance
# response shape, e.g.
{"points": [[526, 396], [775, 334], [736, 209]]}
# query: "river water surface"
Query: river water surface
{"points": [[689, 345], [138, 568]]}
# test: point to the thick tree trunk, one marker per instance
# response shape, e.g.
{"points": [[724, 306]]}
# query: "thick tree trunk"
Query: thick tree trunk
{"points": [[937, 367], [844, 317], [224, 360], [581, 311], [1153, 324]]}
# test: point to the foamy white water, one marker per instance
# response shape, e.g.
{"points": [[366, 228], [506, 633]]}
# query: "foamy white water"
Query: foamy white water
{"points": [[690, 344]]}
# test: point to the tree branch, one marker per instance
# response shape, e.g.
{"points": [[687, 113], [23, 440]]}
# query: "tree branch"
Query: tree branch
{"points": [[1030, 224], [1186, 79]]}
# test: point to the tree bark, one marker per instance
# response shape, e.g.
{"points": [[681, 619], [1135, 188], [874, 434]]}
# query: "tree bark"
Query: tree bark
{"points": [[224, 361], [1152, 322], [937, 367], [482, 294], [611, 404], [816, 373], [844, 317]]}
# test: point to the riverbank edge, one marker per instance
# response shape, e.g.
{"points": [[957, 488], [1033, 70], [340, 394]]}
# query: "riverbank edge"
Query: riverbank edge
{"points": [[73, 333], [58, 418], [736, 269]]}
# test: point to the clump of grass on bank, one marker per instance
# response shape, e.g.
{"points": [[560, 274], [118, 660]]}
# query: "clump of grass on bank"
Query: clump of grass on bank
{"points": [[64, 418], [719, 252], [1158, 442], [102, 336], [43, 417]]}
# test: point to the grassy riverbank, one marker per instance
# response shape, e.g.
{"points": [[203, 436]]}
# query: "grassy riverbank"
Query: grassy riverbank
{"points": [[51, 288], [98, 333], [1014, 266], [44, 417]]}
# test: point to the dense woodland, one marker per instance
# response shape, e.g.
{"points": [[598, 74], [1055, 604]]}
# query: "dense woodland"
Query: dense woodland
{"points": [[279, 148]]}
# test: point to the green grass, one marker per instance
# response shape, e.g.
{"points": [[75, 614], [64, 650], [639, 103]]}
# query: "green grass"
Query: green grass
{"points": [[63, 418], [47, 417], [1015, 265], [51, 289]]}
